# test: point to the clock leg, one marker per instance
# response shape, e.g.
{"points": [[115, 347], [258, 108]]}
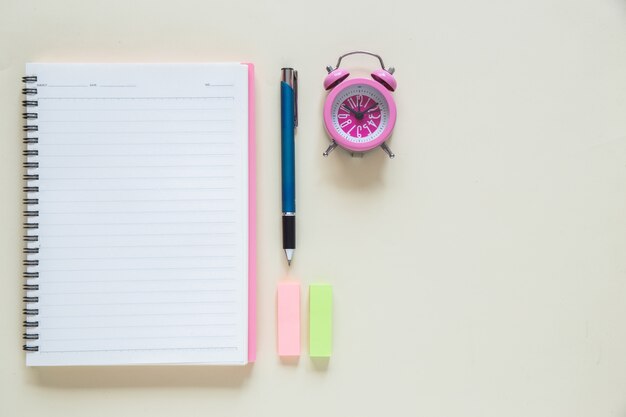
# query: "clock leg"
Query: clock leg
{"points": [[330, 148], [387, 150]]}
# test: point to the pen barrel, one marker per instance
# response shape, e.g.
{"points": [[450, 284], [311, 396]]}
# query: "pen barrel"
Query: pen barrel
{"points": [[288, 169]]}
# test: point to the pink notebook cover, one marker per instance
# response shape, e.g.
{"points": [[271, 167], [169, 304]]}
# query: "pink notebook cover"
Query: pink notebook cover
{"points": [[251, 219]]}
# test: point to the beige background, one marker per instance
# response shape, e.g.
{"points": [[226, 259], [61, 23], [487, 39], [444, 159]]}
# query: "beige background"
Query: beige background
{"points": [[480, 273]]}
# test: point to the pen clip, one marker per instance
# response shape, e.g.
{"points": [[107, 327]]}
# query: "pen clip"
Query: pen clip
{"points": [[295, 98]]}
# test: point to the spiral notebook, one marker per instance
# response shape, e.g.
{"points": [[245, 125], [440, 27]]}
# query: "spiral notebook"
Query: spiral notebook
{"points": [[139, 214]]}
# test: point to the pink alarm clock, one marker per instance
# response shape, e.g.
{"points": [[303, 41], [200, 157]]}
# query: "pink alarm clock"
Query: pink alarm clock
{"points": [[359, 113]]}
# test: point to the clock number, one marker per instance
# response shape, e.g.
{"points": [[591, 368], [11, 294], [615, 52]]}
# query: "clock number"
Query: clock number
{"points": [[371, 122], [366, 126], [373, 116], [342, 115], [352, 103], [358, 131], [359, 101], [346, 123]]}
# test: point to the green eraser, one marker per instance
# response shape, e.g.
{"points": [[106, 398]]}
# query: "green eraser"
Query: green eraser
{"points": [[320, 320]]}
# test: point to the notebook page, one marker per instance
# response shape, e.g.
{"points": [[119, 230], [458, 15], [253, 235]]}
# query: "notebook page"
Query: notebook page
{"points": [[143, 206]]}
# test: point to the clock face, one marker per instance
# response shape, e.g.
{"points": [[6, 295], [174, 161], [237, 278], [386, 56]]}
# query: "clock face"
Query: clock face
{"points": [[359, 113]]}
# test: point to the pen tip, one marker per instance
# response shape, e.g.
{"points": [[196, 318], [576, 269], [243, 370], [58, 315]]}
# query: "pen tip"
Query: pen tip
{"points": [[289, 254]]}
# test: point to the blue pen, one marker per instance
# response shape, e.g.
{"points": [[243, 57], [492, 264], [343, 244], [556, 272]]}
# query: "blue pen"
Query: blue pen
{"points": [[288, 123]]}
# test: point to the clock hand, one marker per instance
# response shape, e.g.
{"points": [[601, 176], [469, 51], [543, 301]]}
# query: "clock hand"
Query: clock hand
{"points": [[345, 106], [371, 108], [359, 114]]}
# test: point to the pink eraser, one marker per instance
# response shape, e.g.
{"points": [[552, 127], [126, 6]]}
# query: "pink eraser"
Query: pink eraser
{"points": [[288, 315]]}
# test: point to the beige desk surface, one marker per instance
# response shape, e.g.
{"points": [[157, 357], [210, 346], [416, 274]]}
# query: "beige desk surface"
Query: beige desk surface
{"points": [[480, 273]]}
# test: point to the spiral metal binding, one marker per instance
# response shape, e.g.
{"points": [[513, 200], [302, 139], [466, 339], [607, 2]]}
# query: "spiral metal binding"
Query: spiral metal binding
{"points": [[30, 201]]}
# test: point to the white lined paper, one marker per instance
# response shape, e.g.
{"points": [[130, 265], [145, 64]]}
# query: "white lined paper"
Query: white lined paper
{"points": [[142, 214]]}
